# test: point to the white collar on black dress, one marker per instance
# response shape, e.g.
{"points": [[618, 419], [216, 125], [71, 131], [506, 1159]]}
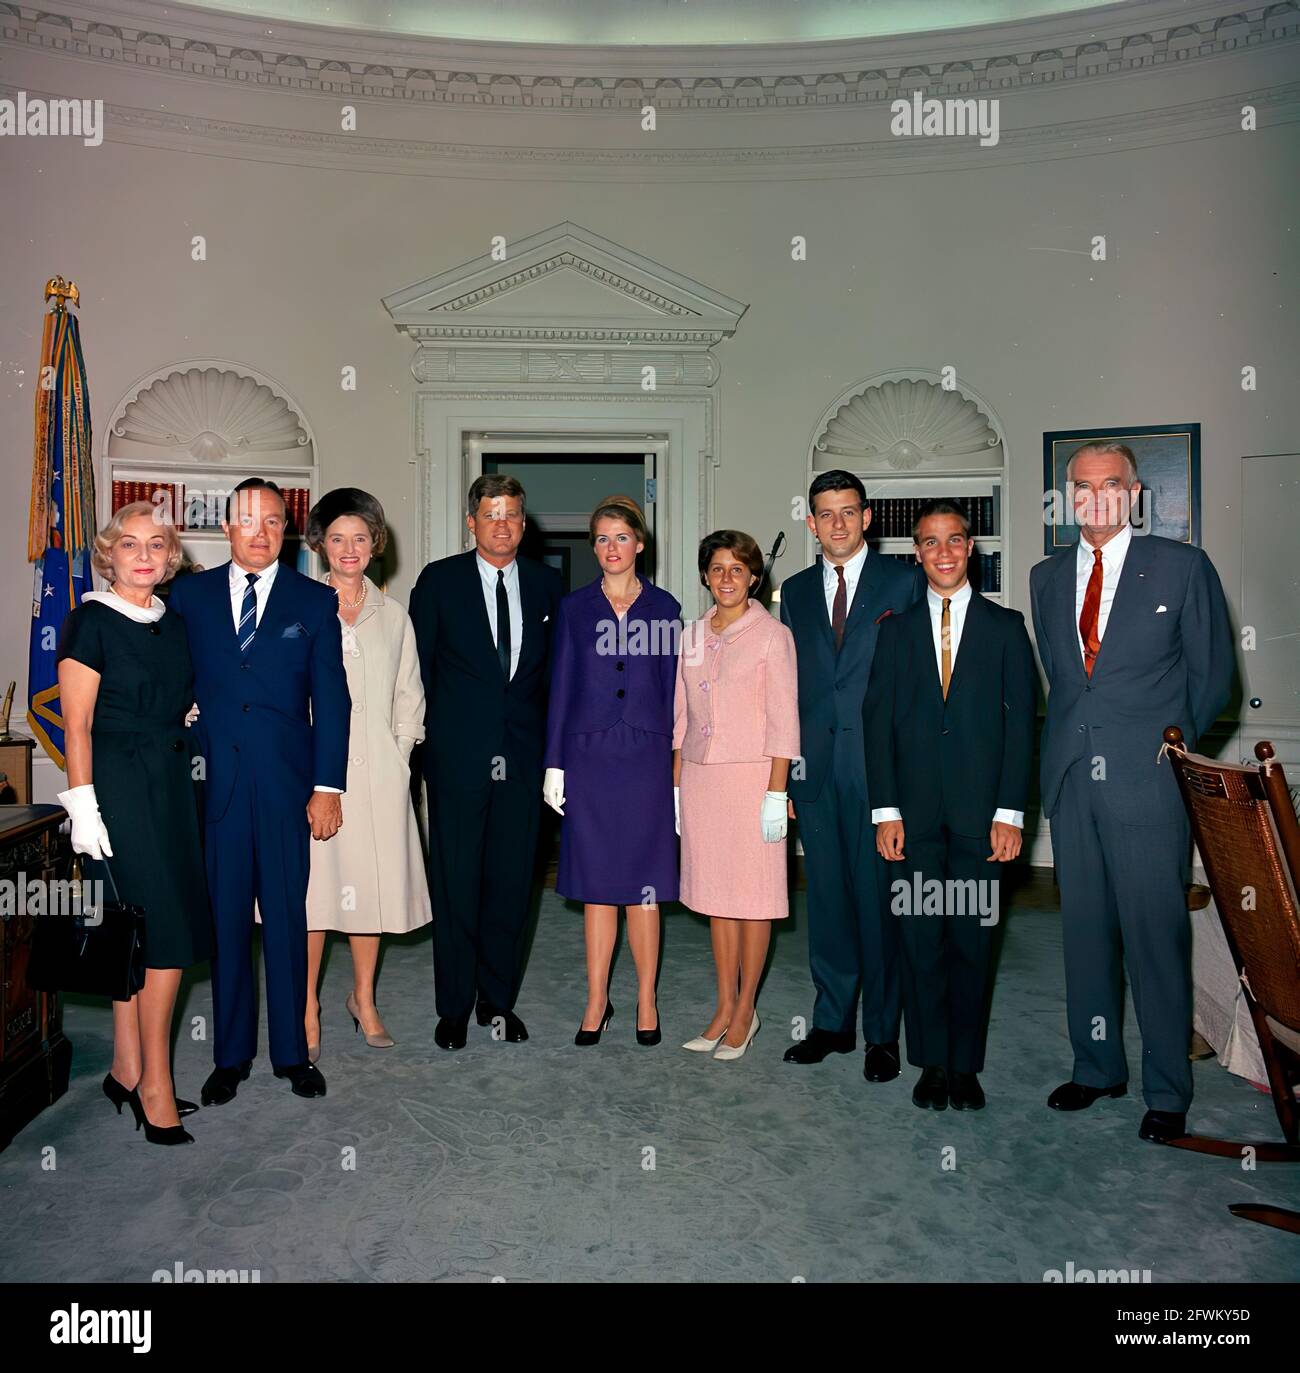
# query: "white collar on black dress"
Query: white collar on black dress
{"points": [[141, 614]]}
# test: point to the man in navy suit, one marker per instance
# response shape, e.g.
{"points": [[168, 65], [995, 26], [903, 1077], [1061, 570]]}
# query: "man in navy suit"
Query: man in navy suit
{"points": [[1133, 634], [834, 610], [483, 622], [949, 722], [273, 724]]}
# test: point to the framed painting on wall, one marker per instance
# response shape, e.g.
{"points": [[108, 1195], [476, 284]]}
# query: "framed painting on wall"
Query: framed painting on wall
{"points": [[1169, 468]]}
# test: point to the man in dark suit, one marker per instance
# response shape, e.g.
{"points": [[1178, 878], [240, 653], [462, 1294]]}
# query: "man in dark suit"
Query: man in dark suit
{"points": [[949, 728], [273, 725], [1133, 634], [483, 624], [834, 610]]}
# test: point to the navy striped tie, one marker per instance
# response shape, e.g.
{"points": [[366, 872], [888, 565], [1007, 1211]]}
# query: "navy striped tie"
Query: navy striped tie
{"points": [[248, 615]]}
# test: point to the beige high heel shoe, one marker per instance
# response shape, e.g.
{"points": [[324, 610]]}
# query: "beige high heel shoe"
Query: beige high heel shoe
{"points": [[382, 1040], [701, 1045], [725, 1053]]}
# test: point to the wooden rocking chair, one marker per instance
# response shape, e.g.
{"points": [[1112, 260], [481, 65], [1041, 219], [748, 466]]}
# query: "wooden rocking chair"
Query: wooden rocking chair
{"points": [[1245, 828]]}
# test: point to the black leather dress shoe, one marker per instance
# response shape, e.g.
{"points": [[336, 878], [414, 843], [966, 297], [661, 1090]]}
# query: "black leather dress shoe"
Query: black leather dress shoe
{"points": [[305, 1078], [450, 1032], [185, 1108], [1074, 1096], [222, 1084], [819, 1043], [931, 1090], [515, 1032], [965, 1092], [881, 1062], [1162, 1126]]}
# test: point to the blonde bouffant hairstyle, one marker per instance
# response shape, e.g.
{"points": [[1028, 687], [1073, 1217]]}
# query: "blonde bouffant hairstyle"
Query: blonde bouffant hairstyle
{"points": [[620, 508], [101, 557]]}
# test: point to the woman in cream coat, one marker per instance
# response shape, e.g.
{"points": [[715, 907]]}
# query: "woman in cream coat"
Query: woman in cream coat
{"points": [[369, 880]]}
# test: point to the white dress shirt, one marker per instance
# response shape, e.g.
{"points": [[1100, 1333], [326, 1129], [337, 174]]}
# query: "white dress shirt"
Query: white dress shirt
{"points": [[830, 581], [488, 573], [958, 602], [261, 590], [1113, 554]]}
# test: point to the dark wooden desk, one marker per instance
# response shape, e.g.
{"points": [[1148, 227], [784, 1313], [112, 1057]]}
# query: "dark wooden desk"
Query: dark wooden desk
{"points": [[35, 1058]]}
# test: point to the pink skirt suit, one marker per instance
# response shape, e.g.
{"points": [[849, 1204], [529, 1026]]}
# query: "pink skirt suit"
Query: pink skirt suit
{"points": [[736, 708]]}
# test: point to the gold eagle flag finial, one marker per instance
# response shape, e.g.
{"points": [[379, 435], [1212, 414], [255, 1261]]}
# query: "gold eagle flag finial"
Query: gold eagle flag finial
{"points": [[61, 292]]}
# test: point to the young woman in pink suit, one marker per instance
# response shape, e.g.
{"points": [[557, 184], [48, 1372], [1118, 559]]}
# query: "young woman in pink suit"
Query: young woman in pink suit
{"points": [[736, 728]]}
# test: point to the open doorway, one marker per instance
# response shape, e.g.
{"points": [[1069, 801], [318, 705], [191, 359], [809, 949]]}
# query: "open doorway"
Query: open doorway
{"points": [[564, 482]]}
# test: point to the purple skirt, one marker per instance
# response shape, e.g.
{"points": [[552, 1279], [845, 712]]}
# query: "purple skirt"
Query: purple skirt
{"points": [[618, 853]]}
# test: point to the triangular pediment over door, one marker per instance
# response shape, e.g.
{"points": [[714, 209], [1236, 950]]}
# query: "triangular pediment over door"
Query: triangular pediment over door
{"points": [[566, 333], [565, 285]]}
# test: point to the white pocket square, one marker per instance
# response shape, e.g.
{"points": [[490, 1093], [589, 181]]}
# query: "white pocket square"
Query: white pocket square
{"points": [[1160, 609], [547, 617]]}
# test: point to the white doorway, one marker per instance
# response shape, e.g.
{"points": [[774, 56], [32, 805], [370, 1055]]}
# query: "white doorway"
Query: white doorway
{"points": [[565, 477]]}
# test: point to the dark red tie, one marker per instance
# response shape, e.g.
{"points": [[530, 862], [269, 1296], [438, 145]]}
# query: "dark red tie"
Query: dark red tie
{"points": [[839, 610], [1091, 614]]}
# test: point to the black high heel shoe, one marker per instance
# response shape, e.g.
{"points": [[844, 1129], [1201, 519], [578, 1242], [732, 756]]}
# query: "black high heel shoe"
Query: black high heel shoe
{"points": [[586, 1037], [648, 1037], [119, 1096], [155, 1134]]}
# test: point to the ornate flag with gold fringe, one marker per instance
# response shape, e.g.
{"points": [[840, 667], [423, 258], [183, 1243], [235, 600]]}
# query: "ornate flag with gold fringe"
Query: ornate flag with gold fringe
{"points": [[61, 522]]}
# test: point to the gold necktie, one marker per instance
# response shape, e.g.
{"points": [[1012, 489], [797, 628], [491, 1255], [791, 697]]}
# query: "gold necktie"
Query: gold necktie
{"points": [[945, 644]]}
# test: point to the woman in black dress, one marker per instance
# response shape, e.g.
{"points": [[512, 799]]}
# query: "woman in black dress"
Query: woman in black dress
{"points": [[126, 685]]}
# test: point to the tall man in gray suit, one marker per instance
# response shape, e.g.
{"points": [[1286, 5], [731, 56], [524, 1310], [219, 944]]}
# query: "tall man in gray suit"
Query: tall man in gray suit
{"points": [[834, 610], [1133, 633]]}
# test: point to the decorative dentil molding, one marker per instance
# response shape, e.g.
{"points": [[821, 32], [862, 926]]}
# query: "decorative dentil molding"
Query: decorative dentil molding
{"points": [[474, 323], [818, 75]]}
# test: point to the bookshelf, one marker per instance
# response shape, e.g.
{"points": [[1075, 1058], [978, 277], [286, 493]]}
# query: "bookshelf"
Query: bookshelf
{"points": [[910, 436], [895, 501]]}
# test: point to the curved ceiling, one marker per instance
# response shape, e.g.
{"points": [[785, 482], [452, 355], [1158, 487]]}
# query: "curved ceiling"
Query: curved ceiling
{"points": [[583, 23]]}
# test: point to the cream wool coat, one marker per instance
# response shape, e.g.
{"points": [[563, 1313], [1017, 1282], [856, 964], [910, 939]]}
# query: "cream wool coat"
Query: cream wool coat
{"points": [[369, 878]]}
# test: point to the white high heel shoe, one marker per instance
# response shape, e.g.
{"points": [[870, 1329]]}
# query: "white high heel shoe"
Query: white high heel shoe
{"points": [[700, 1045], [726, 1053]]}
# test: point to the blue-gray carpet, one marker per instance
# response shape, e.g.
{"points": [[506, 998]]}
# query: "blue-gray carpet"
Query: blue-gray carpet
{"points": [[544, 1162]]}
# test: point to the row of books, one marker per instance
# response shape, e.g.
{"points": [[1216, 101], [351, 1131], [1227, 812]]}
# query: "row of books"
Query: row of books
{"points": [[892, 517], [985, 570], [202, 509]]}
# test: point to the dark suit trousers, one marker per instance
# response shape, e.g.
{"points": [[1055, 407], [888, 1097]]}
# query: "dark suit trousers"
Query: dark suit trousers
{"points": [[852, 939], [483, 842], [252, 853], [1123, 902], [947, 957]]}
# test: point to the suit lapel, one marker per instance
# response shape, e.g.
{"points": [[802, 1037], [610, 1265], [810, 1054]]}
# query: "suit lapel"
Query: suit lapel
{"points": [[275, 614], [478, 612], [1062, 592], [527, 600], [972, 632], [219, 590], [816, 605]]}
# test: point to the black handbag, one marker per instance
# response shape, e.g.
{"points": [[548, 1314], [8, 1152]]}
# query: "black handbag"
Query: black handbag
{"points": [[97, 949]]}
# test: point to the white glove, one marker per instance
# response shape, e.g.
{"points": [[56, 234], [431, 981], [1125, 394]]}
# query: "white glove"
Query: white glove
{"points": [[677, 808], [773, 818], [88, 833], [553, 789]]}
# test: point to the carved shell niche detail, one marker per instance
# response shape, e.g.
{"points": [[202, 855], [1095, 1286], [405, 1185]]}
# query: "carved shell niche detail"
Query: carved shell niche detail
{"points": [[212, 415], [904, 424]]}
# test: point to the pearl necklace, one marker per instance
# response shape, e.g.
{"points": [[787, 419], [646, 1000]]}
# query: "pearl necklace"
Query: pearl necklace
{"points": [[615, 604], [351, 605]]}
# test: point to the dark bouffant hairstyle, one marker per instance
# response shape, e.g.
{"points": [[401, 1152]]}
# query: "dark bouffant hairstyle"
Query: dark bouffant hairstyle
{"points": [[740, 544], [347, 500]]}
